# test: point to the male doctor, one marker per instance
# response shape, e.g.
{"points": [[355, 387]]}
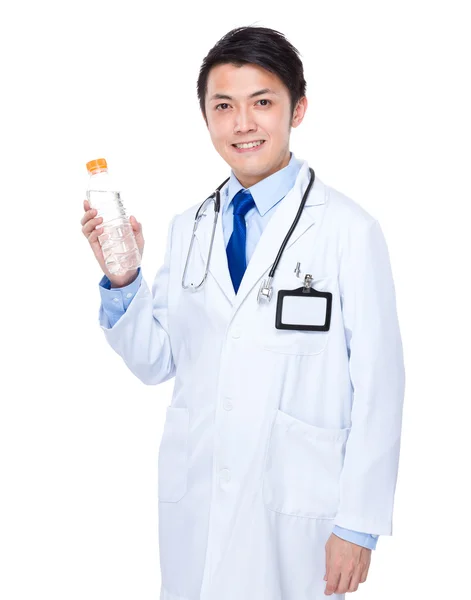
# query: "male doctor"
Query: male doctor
{"points": [[279, 456]]}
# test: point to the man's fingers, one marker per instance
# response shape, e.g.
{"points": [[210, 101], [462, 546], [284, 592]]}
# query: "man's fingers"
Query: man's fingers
{"points": [[327, 561], [333, 579], [93, 237], [355, 581], [364, 572], [89, 227], [88, 215], [344, 581], [92, 226]]}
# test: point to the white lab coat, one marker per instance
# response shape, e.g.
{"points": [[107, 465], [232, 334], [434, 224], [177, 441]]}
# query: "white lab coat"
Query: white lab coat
{"points": [[272, 436]]}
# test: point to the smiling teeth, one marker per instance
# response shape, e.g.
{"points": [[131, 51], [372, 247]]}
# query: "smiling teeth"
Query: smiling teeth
{"points": [[251, 145]]}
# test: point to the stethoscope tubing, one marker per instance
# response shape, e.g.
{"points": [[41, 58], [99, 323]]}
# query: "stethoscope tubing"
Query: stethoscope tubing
{"points": [[216, 195], [271, 274]]}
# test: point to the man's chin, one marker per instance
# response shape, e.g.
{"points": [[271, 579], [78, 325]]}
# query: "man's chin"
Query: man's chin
{"points": [[249, 166]]}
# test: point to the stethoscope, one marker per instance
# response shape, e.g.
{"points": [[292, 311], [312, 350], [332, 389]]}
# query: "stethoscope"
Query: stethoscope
{"points": [[265, 291]]}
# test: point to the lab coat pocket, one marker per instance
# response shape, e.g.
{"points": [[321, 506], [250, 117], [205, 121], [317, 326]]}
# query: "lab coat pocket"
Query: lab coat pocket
{"points": [[302, 469], [292, 341], [173, 455]]}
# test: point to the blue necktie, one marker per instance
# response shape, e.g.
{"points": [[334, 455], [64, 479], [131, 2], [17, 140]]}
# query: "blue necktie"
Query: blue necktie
{"points": [[236, 250]]}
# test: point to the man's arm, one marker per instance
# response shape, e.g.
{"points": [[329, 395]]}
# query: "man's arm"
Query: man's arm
{"points": [[376, 366], [141, 335]]}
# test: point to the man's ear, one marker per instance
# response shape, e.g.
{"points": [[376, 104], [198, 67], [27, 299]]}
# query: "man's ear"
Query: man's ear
{"points": [[299, 112]]}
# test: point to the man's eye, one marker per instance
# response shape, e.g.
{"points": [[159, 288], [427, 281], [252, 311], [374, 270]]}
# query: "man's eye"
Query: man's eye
{"points": [[225, 103]]}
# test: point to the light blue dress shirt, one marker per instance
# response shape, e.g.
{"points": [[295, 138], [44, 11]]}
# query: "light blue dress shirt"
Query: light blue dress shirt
{"points": [[267, 194]]}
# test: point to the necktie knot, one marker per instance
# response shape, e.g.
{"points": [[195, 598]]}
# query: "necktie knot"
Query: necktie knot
{"points": [[243, 202]]}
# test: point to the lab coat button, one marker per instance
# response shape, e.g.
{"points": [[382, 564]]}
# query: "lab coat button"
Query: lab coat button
{"points": [[225, 474], [236, 332], [227, 404]]}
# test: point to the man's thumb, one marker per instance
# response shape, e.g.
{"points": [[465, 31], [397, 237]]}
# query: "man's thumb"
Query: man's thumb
{"points": [[135, 225]]}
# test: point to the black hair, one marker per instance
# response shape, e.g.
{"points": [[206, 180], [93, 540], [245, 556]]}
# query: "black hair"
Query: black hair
{"points": [[260, 46]]}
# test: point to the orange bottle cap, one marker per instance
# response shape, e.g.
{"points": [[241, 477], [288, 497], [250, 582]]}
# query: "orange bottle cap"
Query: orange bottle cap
{"points": [[95, 165]]}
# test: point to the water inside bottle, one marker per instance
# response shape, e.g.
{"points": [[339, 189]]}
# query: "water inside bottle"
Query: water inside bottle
{"points": [[117, 239]]}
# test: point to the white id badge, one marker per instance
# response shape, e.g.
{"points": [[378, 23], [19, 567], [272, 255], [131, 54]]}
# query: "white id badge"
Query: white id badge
{"points": [[303, 309]]}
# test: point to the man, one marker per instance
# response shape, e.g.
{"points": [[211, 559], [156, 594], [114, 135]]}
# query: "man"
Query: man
{"points": [[279, 457]]}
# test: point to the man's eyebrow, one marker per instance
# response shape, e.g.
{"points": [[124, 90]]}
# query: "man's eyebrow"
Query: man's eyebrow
{"points": [[226, 97]]}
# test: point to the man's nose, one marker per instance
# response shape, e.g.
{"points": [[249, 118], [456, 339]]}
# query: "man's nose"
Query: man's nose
{"points": [[244, 122]]}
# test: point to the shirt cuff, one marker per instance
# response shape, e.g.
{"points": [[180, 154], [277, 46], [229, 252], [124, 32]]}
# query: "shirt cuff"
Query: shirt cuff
{"points": [[115, 301], [368, 540]]}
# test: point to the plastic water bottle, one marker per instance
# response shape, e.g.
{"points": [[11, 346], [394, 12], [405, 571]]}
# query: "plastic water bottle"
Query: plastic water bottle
{"points": [[117, 239]]}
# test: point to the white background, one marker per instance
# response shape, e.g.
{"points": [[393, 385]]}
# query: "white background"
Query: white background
{"points": [[387, 124]]}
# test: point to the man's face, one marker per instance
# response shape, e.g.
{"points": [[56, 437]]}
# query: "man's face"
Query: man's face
{"points": [[240, 109]]}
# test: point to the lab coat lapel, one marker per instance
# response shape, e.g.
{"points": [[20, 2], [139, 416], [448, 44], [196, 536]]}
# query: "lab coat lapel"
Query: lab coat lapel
{"points": [[269, 243]]}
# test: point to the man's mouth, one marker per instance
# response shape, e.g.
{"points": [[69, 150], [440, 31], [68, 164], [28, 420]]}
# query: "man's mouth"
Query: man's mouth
{"points": [[249, 145]]}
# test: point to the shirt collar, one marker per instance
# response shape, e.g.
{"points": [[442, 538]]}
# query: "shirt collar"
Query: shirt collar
{"points": [[267, 192]]}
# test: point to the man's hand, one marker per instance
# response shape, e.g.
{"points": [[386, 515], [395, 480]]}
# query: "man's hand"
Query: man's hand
{"points": [[92, 229], [346, 565]]}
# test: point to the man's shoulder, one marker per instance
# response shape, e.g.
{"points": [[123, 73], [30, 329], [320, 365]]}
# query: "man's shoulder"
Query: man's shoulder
{"points": [[345, 211], [183, 222], [188, 215]]}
